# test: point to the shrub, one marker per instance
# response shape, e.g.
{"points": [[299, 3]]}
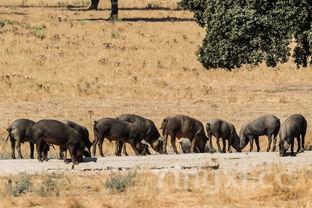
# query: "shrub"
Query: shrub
{"points": [[73, 203], [115, 34], [21, 186], [49, 187], [250, 31], [119, 183], [153, 5], [4, 22], [39, 32], [5, 156]]}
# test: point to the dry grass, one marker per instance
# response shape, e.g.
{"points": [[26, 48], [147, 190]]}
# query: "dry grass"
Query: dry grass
{"points": [[265, 187], [84, 64], [78, 63]]}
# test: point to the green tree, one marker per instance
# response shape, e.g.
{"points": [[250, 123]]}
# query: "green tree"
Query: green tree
{"points": [[252, 31]]}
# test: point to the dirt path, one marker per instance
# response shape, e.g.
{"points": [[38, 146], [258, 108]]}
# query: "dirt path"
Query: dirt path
{"points": [[244, 162]]}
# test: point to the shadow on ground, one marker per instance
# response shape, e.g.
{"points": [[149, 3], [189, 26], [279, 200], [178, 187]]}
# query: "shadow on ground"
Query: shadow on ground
{"points": [[16, 13], [143, 19], [85, 8], [159, 8]]}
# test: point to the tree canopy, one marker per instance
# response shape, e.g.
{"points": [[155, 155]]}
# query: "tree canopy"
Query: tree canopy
{"points": [[252, 31]]}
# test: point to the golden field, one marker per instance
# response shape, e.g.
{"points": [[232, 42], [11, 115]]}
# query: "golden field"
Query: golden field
{"points": [[264, 187], [69, 64]]}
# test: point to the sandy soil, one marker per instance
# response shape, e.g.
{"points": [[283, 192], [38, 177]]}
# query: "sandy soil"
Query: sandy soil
{"points": [[199, 180], [69, 64], [247, 162]]}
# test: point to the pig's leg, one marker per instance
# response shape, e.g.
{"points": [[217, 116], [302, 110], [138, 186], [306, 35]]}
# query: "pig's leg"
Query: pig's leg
{"points": [[218, 144], [166, 140], [251, 144], [134, 147], [292, 147], [72, 153], [193, 144], [124, 147], [32, 148], [63, 154], [173, 144], [299, 144], [270, 136], [43, 151], [140, 148], [274, 143], [224, 145], [146, 150], [38, 148], [257, 143], [118, 148], [12, 140], [46, 149], [95, 141], [18, 146], [100, 146], [229, 145], [210, 140], [302, 142], [65, 157]]}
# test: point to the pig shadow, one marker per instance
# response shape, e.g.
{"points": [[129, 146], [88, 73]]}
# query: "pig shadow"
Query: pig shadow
{"points": [[85, 160], [89, 159], [287, 154]]}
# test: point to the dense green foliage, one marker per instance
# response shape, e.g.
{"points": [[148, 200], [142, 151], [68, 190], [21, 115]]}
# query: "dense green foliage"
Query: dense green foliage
{"points": [[251, 31]]}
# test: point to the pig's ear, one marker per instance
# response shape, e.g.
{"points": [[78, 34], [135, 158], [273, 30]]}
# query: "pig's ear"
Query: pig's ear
{"points": [[94, 124]]}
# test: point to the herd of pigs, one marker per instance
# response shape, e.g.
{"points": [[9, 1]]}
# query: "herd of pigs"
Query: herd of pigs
{"points": [[141, 133]]}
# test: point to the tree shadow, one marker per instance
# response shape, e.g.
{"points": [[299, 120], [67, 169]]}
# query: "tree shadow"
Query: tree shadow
{"points": [[142, 19], [156, 19], [158, 8], [33, 6], [85, 8], [16, 13], [134, 19]]}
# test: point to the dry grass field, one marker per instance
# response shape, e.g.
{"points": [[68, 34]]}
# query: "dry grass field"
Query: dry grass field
{"points": [[170, 190], [68, 64]]}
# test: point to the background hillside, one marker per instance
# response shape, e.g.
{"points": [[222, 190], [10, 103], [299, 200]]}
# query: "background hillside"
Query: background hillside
{"points": [[62, 64]]}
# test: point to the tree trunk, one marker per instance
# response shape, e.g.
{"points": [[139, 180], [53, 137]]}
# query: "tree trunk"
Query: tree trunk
{"points": [[114, 10], [94, 4]]}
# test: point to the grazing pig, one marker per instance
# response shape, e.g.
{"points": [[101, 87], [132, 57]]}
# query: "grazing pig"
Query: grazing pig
{"points": [[186, 146], [222, 129], [181, 126], [117, 130], [295, 126], [268, 125], [142, 148], [20, 132], [84, 133], [152, 135], [55, 132]]}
